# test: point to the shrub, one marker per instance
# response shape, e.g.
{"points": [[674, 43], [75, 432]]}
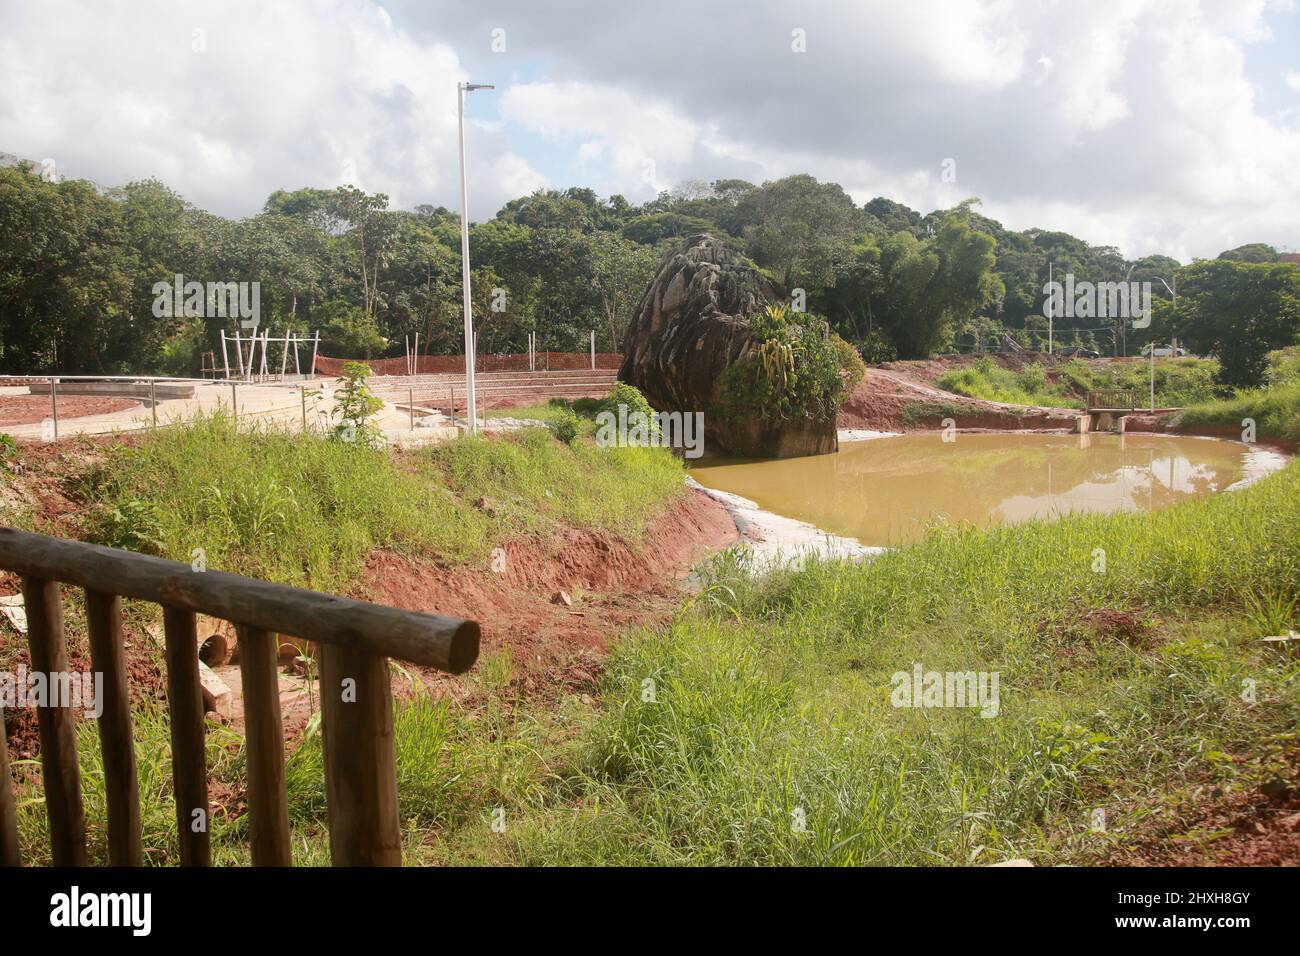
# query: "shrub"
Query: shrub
{"points": [[877, 347], [565, 426], [852, 368], [792, 370], [354, 406], [629, 395]]}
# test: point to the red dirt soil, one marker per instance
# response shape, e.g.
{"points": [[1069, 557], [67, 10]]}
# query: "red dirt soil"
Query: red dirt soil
{"points": [[1259, 826], [881, 401], [30, 409], [612, 585]]}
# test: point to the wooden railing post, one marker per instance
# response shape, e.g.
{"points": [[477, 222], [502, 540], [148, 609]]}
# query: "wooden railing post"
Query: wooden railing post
{"points": [[58, 724], [268, 806], [189, 763], [360, 759], [108, 657], [10, 855]]}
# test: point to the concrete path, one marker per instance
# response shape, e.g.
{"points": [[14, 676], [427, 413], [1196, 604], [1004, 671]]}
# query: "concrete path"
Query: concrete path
{"points": [[283, 406]]}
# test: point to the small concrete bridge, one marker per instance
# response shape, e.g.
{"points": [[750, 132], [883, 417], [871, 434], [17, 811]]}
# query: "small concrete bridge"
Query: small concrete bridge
{"points": [[1108, 406]]}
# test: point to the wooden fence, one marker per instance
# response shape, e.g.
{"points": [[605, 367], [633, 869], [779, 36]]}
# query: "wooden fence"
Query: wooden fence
{"points": [[355, 640]]}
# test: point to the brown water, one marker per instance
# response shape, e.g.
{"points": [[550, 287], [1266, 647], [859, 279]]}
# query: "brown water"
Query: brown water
{"points": [[885, 491]]}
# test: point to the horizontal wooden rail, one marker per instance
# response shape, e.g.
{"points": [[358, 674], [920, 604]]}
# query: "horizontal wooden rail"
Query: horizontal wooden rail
{"points": [[356, 639], [447, 643]]}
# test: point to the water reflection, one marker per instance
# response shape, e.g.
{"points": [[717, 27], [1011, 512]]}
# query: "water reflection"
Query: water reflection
{"points": [[885, 492]]}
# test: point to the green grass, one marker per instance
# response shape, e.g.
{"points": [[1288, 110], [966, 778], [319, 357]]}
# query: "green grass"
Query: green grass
{"points": [[771, 698], [1179, 382], [1275, 411], [767, 702], [305, 510], [990, 382]]}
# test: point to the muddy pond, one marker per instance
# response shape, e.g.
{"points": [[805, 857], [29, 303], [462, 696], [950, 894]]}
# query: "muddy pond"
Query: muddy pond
{"points": [[887, 491]]}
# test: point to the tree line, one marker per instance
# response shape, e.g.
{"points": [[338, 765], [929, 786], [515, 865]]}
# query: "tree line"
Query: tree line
{"points": [[78, 266]]}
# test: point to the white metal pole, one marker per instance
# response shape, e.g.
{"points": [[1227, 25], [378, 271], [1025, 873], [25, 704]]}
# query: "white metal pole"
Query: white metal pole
{"points": [[464, 268], [314, 346], [1051, 310], [225, 355], [593, 350]]}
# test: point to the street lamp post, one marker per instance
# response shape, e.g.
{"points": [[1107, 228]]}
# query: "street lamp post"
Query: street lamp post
{"points": [[1173, 342], [461, 90]]}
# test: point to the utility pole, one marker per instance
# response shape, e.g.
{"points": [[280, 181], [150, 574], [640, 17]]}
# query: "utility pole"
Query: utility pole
{"points": [[461, 90], [1051, 309]]}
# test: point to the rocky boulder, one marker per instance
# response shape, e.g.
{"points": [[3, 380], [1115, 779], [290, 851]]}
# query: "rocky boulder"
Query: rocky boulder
{"points": [[691, 324]]}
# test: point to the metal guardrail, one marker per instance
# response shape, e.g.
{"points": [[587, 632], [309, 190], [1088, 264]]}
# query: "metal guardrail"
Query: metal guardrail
{"points": [[355, 640], [1112, 400]]}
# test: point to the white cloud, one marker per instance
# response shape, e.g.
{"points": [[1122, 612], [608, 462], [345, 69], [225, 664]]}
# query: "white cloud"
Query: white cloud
{"points": [[274, 96], [1137, 128], [1137, 125]]}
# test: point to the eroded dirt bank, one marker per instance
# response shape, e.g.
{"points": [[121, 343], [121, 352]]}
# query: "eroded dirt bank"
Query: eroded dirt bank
{"points": [[895, 401], [555, 605]]}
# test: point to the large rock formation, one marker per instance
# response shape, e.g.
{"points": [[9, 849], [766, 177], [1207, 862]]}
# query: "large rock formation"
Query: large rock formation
{"points": [[691, 324]]}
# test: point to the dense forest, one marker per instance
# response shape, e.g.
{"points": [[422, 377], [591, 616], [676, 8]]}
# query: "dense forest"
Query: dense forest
{"points": [[78, 267]]}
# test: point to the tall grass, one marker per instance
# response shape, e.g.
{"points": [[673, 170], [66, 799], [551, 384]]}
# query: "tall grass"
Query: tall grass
{"points": [[1275, 410], [768, 735], [300, 509], [536, 482], [990, 382], [1178, 381]]}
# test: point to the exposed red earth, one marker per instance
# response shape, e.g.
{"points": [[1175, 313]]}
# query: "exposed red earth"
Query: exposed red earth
{"points": [[881, 401], [610, 586], [30, 409]]}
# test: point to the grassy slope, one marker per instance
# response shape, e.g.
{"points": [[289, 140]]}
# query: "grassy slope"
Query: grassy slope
{"points": [[1275, 411], [776, 701], [307, 511], [1178, 381]]}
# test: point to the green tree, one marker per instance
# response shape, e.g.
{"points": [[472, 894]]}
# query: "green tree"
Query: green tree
{"points": [[1239, 311], [797, 223]]}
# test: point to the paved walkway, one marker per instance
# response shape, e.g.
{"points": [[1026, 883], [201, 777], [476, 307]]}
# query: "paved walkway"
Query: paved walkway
{"points": [[283, 406]]}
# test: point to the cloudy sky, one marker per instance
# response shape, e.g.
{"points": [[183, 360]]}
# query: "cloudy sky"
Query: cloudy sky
{"points": [[1152, 125]]}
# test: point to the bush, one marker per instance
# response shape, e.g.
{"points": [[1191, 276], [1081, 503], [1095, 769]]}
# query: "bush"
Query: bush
{"points": [[877, 347], [852, 368], [565, 426], [793, 370], [349, 331]]}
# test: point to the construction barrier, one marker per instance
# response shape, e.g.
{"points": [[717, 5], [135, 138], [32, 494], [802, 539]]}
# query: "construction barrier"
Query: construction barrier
{"points": [[509, 362]]}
